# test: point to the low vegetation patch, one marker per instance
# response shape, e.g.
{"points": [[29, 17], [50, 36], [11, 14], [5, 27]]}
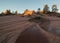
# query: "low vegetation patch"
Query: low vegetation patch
{"points": [[37, 19]]}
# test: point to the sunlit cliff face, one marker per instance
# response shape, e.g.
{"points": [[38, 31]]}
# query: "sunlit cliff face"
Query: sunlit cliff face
{"points": [[41, 11], [7, 12], [28, 12]]}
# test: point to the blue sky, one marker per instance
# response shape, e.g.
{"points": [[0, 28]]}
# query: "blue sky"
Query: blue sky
{"points": [[21, 5]]}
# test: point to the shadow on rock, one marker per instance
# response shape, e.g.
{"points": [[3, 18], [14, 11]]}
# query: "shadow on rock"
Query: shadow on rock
{"points": [[32, 35]]}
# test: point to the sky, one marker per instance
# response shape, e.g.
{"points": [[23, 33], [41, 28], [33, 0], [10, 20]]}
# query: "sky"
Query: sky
{"points": [[21, 5]]}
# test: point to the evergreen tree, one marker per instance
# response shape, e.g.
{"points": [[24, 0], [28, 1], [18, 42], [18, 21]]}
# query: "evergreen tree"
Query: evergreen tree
{"points": [[46, 9], [8, 12], [16, 12], [54, 8], [38, 11]]}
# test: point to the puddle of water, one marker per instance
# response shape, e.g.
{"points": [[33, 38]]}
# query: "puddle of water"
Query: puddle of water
{"points": [[55, 31], [50, 29], [58, 31]]}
